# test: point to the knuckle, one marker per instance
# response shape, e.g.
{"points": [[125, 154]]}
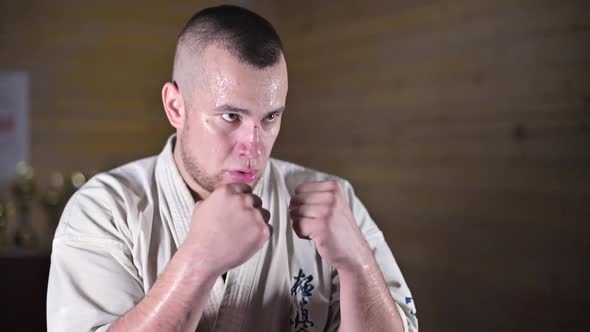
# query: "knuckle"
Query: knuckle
{"points": [[265, 231], [244, 199], [298, 189], [252, 213], [336, 187], [332, 199], [262, 232]]}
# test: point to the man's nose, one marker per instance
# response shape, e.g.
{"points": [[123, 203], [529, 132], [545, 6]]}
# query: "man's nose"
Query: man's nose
{"points": [[250, 146]]}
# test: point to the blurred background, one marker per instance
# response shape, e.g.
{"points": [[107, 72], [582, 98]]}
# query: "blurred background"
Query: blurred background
{"points": [[463, 125]]}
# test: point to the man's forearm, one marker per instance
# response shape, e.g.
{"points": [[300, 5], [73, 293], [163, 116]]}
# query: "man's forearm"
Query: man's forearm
{"points": [[175, 302], [366, 303]]}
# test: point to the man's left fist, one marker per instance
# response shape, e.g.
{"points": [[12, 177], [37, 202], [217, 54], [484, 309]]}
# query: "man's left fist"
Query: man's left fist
{"points": [[320, 212]]}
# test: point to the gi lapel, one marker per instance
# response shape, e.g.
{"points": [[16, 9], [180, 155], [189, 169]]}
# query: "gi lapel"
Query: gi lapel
{"points": [[242, 281], [176, 201], [176, 207]]}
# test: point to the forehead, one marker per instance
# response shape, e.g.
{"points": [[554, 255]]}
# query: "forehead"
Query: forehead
{"points": [[229, 81]]}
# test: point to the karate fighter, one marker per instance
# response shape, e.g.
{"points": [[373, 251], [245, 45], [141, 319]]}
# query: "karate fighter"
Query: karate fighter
{"points": [[214, 235]]}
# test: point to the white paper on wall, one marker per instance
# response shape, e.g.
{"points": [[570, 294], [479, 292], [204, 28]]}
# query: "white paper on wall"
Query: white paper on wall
{"points": [[14, 121]]}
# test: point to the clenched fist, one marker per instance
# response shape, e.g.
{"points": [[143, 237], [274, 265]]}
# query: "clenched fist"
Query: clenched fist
{"points": [[228, 227], [320, 212]]}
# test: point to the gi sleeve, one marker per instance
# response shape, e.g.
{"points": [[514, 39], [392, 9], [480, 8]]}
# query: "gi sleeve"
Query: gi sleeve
{"points": [[387, 264], [92, 278]]}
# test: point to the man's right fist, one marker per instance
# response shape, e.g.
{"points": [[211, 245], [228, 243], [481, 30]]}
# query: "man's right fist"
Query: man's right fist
{"points": [[227, 228]]}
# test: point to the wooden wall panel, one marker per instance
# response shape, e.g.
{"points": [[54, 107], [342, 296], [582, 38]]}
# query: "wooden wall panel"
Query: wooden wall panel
{"points": [[463, 125]]}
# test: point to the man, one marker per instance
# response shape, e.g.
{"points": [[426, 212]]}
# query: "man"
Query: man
{"points": [[213, 234]]}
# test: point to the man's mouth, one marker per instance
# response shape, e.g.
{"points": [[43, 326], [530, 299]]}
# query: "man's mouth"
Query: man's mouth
{"points": [[245, 176]]}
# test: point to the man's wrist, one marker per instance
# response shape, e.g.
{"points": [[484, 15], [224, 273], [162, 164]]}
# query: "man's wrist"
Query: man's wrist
{"points": [[197, 265], [361, 269]]}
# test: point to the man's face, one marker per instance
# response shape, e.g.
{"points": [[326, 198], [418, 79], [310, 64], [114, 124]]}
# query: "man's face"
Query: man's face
{"points": [[232, 120]]}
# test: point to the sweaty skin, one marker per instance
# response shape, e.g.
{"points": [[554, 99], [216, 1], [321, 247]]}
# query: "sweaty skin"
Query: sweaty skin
{"points": [[238, 116], [226, 123], [225, 130], [320, 212]]}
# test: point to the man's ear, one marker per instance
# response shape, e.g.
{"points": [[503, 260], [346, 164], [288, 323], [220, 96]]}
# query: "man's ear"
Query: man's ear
{"points": [[173, 105]]}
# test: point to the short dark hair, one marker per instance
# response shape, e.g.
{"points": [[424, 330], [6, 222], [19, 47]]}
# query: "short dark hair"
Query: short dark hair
{"points": [[244, 34]]}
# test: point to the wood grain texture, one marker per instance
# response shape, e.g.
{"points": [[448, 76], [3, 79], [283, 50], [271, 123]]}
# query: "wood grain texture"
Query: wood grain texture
{"points": [[464, 127]]}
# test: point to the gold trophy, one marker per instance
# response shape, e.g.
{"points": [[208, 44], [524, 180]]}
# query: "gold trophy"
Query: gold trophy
{"points": [[23, 190], [58, 193], [77, 180]]}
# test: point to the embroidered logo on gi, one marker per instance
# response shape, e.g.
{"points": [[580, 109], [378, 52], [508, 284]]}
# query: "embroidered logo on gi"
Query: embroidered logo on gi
{"points": [[408, 301], [300, 293]]}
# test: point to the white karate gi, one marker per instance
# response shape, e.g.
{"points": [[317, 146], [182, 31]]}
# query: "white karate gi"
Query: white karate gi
{"points": [[120, 230]]}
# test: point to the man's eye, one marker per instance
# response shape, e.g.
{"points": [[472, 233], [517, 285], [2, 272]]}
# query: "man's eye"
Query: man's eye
{"points": [[272, 117], [230, 117]]}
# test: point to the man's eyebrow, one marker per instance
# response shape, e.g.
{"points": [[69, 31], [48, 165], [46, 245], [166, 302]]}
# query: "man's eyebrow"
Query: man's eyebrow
{"points": [[233, 109]]}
